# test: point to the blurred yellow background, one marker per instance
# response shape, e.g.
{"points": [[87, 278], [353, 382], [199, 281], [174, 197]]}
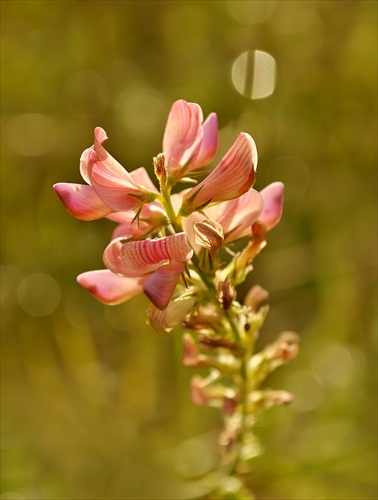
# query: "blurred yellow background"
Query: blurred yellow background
{"points": [[94, 403]]}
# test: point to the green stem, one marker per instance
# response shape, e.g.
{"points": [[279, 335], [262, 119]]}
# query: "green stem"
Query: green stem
{"points": [[167, 203]]}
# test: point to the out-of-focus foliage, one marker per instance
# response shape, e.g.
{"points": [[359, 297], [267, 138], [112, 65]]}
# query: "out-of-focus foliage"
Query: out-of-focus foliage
{"points": [[95, 404]]}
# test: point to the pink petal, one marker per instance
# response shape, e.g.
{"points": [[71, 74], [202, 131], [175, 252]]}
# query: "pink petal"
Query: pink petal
{"points": [[110, 288], [132, 229], [140, 176], [81, 201], [238, 215], [116, 189], [273, 204], [183, 134], [113, 261], [152, 216], [142, 256], [159, 287], [84, 164], [209, 144], [100, 137], [233, 176], [108, 162]]}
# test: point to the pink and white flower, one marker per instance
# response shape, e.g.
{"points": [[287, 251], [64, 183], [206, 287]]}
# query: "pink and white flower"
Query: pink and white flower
{"points": [[235, 216], [110, 187], [151, 266], [188, 143], [232, 177]]}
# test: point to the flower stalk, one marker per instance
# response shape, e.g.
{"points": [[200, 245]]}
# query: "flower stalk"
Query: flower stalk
{"points": [[178, 250]]}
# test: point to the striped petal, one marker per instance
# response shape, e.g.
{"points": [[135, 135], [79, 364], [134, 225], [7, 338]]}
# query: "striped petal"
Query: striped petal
{"points": [[113, 261], [183, 134], [81, 201], [273, 204], [238, 215], [232, 177], [136, 258], [161, 284], [109, 288], [142, 256]]}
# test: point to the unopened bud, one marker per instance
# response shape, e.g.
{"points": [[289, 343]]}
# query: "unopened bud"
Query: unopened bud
{"points": [[160, 168], [208, 234], [225, 293], [285, 347], [255, 296]]}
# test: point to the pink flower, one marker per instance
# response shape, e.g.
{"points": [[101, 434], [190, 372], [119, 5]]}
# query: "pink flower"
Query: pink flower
{"points": [[273, 204], [235, 216], [188, 143], [232, 177], [156, 264], [111, 188]]}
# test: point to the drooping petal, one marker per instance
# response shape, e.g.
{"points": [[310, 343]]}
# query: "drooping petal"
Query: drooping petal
{"points": [[81, 201], [232, 177], [273, 204], [209, 143], [142, 256], [183, 134], [237, 216], [161, 284], [110, 288]]}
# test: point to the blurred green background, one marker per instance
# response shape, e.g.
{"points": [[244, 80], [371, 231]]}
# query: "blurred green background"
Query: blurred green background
{"points": [[94, 403]]}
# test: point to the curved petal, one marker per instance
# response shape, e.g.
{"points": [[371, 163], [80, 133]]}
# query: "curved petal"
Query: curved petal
{"points": [[183, 134], [116, 189], [238, 215], [113, 261], [84, 164], [109, 163], [142, 256], [162, 321], [110, 288], [209, 144], [81, 201], [232, 177], [100, 137], [161, 284], [273, 204]]}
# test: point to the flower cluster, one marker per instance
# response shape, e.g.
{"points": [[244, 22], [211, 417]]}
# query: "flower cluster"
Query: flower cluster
{"points": [[157, 233], [178, 249]]}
